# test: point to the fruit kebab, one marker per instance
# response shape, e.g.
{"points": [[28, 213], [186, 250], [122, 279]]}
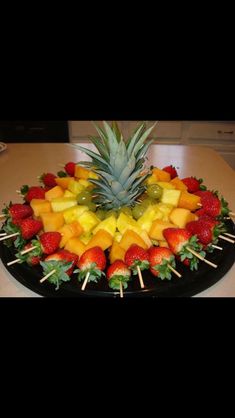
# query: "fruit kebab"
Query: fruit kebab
{"points": [[137, 259], [58, 267], [118, 275], [207, 230], [26, 230], [47, 244], [212, 205], [185, 245], [91, 265], [162, 262]]}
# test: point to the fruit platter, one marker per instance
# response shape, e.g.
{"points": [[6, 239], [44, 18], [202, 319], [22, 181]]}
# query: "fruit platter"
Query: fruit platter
{"points": [[113, 226]]}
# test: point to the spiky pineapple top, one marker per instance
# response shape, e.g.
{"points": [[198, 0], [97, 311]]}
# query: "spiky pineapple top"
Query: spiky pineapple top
{"points": [[119, 165]]}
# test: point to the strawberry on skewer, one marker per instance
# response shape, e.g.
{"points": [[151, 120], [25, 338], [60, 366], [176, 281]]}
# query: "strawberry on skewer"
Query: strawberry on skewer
{"points": [[207, 230], [137, 259], [58, 267], [193, 184], [24, 230], [17, 211], [171, 170], [48, 180], [162, 262], [69, 168], [118, 275], [33, 192], [91, 265]]}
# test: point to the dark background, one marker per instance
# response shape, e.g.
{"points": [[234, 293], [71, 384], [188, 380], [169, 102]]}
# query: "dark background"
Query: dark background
{"points": [[34, 131]]}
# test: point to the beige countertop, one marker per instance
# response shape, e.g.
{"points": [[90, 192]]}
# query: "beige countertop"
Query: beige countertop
{"points": [[22, 163]]}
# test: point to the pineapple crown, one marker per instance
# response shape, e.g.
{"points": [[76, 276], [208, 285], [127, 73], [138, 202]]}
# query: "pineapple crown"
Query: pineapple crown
{"points": [[119, 165]]}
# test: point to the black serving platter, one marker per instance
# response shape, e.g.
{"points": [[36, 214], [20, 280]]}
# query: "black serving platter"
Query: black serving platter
{"points": [[190, 284]]}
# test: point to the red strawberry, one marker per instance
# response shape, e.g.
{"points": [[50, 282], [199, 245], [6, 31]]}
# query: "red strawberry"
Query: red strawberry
{"points": [[137, 256], [30, 227], [176, 238], [205, 195], [20, 211], [92, 261], [50, 242], [171, 170], [35, 192], [116, 273], [202, 230], [70, 169], [48, 180], [33, 260], [160, 258], [213, 207], [192, 184], [66, 256]]}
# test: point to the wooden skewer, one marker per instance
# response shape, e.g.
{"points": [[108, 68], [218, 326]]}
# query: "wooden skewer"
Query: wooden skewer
{"points": [[229, 235], [2, 216], [17, 260], [28, 250], [140, 277], [216, 247], [199, 204], [85, 281], [232, 214], [61, 165], [227, 239], [201, 258], [9, 236], [47, 276], [121, 290], [3, 234], [174, 271]]}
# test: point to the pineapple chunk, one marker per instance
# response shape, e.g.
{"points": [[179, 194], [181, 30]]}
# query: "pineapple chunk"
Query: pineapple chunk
{"points": [[116, 253], [179, 184], [166, 185], [60, 204], [145, 221], [117, 236], [75, 246], [181, 216], [163, 244], [74, 213], [53, 193], [40, 206], [52, 221], [75, 187], [156, 231], [102, 239], [70, 231], [85, 237], [131, 237], [88, 220], [165, 209], [189, 201], [81, 172], [125, 222], [93, 175], [63, 181], [151, 180], [67, 193], [85, 183], [161, 175], [171, 197], [108, 225], [145, 237]]}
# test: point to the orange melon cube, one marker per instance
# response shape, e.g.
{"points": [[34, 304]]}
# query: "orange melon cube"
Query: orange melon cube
{"points": [[189, 201], [161, 175], [70, 231], [131, 237], [179, 184], [39, 206], [63, 182], [157, 228], [163, 244], [116, 253], [52, 221], [102, 239], [81, 172], [74, 245], [53, 193]]}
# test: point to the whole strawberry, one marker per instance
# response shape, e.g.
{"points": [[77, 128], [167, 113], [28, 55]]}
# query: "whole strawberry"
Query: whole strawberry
{"points": [[92, 262], [60, 266], [70, 168], [192, 184], [34, 192], [50, 242], [160, 259], [171, 170], [117, 273], [135, 257], [32, 258], [203, 231], [30, 227], [48, 179], [18, 211]]}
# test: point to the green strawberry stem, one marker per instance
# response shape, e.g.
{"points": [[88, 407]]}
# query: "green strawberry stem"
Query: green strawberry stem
{"points": [[201, 258]]}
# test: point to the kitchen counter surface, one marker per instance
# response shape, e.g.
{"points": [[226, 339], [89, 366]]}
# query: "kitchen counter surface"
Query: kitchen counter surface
{"points": [[23, 163]]}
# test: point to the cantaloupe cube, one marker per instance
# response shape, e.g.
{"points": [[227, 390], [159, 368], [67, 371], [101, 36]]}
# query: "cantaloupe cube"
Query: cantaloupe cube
{"points": [[189, 201], [60, 204], [74, 213], [40, 206], [116, 253], [63, 182], [161, 175], [108, 225], [70, 231], [179, 184], [181, 216], [81, 172], [88, 220], [52, 221], [131, 237], [53, 193], [171, 197], [158, 226], [74, 245], [102, 239], [163, 244], [75, 187]]}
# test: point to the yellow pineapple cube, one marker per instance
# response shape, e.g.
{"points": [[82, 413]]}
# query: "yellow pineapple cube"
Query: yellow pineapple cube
{"points": [[171, 197], [181, 216], [60, 204], [108, 225], [163, 244], [52, 221], [151, 180], [67, 193], [102, 239], [88, 220], [131, 237], [93, 175], [166, 185], [75, 246], [53, 193], [125, 222], [74, 213], [75, 187], [117, 236], [85, 237], [116, 253], [158, 226], [40, 206], [145, 221], [85, 183], [165, 210]]}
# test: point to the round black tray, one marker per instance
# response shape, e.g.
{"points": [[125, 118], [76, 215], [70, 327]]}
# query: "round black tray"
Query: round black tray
{"points": [[190, 284]]}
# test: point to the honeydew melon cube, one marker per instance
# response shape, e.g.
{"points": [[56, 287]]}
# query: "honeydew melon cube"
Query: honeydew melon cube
{"points": [[171, 197]]}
